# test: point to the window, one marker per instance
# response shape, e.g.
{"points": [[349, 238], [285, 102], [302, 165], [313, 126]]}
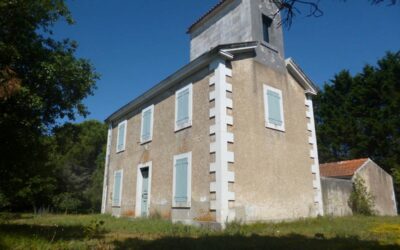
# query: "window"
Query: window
{"points": [[273, 106], [121, 138], [117, 191], [183, 107], [146, 134], [266, 22], [182, 180]]}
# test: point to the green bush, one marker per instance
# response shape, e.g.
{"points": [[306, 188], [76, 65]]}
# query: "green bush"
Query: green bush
{"points": [[95, 229], [361, 201], [66, 202]]}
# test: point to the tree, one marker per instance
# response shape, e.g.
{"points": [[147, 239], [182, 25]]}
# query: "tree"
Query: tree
{"points": [[95, 190], [361, 200], [41, 81], [290, 8], [358, 116], [77, 159]]}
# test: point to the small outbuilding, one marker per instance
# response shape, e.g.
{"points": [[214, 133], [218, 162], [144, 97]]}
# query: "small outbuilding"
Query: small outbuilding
{"points": [[337, 181]]}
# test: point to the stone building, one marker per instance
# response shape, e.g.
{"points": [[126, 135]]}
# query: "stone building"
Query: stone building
{"points": [[228, 136], [337, 181]]}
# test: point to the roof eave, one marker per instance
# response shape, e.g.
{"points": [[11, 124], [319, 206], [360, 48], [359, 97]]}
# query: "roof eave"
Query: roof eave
{"points": [[219, 6], [163, 85], [226, 51], [295, 70], [338, 176]]}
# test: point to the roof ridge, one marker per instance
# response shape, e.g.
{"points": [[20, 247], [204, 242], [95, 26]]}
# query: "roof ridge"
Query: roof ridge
{"points": [[345, 161], [346, 168], [221, 2]]}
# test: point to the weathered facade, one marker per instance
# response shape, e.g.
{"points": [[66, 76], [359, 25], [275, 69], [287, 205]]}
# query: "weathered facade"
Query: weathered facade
{"points": [[230, 136], [337, 179], [335, 196]]}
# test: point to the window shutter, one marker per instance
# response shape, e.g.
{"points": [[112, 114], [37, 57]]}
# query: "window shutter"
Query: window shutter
{"points": [[181, 171], [146, 132], [121, 136], [117, 188], [183, 107], [274, 108]]}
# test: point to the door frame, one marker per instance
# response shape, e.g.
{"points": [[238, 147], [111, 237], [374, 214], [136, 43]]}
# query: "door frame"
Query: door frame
{"points": [[139, 181]]}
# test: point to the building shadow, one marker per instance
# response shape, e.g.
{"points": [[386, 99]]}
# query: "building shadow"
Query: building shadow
{"points": [[49, 233], [295, 242]]}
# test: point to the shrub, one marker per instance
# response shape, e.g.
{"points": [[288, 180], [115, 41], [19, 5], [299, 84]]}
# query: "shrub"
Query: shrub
{"points": [[66, 202], [361, 201], [95, 229]]}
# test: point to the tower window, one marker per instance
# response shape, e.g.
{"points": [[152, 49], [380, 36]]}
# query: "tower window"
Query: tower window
{"points": [[266, 21]]}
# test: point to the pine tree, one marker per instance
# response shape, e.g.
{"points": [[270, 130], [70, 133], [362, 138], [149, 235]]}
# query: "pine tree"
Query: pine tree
{"points": [[359, 116]]}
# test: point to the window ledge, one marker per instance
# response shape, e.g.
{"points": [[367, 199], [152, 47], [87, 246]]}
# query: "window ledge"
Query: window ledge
{"points": [[181, 206], [146, 141], [183, 126], [274, 127], [120, 151]]}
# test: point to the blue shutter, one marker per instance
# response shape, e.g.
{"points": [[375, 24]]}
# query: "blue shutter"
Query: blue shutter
{"points": [[181, 181], [117, 188], [146, 130], [274, 108], [183, 107], [121, 136]]}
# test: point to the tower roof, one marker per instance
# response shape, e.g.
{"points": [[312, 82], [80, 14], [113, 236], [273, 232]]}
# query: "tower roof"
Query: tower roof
{"points": [[209, 13]]}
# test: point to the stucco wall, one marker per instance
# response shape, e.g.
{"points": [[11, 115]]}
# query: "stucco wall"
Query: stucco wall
{"points": [[230, 25], [335, 195], [273, 178], [240, 21], [165, 144], [380, 185], [336, 192]]}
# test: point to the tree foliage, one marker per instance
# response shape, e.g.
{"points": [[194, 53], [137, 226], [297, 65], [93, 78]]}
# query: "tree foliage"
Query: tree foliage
{"points": [[77, 157], [74, 167], [291, 8], [361, 201], [41, 81], [359, 116]]}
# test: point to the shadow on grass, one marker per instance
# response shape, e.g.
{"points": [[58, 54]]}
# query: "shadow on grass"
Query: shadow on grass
{"points": [[297, 242], [45, 232], [2, 244]]}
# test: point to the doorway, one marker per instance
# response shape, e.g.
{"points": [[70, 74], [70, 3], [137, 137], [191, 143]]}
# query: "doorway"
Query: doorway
{"points": [[143, 187]]}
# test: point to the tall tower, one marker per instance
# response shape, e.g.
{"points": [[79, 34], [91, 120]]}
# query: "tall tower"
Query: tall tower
{"points": [[235, 21]]}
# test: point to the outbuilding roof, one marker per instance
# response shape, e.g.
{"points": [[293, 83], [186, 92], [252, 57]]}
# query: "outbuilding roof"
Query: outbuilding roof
{"points": [[341, 168]]}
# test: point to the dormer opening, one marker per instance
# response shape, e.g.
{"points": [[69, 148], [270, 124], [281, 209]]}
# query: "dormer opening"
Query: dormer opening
{"points": [[236, 21], [266, 25]]}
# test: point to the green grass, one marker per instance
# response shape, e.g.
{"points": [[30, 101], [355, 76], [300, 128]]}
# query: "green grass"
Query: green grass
{"points": [[86, 232]]}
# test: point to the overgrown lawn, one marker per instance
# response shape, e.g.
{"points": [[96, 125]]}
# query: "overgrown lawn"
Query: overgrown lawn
{"points": [[27, 231]]}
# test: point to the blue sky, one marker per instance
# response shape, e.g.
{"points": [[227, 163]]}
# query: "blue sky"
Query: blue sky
{"points": [[136, 44]]}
